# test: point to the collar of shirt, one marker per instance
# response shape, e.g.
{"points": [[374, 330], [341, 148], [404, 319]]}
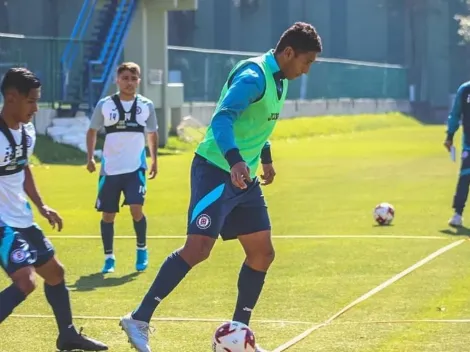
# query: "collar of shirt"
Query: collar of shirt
{"points": [[274, 66]]}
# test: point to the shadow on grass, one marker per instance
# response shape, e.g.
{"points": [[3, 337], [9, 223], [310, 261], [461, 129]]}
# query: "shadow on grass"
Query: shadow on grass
{"points": [[457, 231], [98, 280]]}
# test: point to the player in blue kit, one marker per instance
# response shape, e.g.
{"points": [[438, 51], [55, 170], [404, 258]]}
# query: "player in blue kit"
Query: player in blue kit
{"points": [[226, 196], [24, 250]]}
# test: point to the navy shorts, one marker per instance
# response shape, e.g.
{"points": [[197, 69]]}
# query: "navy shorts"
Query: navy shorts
{"points": [[218, 207], [110, 187], [23, 247]]}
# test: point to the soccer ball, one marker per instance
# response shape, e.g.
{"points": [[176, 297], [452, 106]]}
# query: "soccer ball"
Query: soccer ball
{"points": [[384, 213], [233, 336]]}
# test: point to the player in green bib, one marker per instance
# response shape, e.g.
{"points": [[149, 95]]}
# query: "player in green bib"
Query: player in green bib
{"points": [[226, 195]]}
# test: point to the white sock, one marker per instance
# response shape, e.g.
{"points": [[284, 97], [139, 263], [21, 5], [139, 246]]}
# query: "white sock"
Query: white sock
{"points": [[141, 248], [109, 256]]}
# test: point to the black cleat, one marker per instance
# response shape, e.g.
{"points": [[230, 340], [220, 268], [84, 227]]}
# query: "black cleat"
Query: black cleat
{"points": [[79, 342]]}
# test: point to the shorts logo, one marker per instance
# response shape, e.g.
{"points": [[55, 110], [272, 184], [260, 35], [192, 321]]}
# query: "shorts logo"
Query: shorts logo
{"points": [[18, 256], [464, 154], [47, 243], [203, 221]]}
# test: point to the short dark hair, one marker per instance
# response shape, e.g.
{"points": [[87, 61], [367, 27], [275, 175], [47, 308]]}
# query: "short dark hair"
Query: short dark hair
{"points": [[21, 79], [302, 37], [132, 67]]}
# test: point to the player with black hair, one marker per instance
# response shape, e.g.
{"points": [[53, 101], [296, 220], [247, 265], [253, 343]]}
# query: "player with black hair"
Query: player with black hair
{"points": [[226, 196], [24, 250]]}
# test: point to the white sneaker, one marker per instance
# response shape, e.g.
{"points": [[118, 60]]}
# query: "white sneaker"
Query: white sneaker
{"points": [[137, 332], [456, 221]]}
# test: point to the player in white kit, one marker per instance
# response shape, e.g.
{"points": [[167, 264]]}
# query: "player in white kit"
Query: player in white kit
{"points": [[126, 117], [24, 250]]}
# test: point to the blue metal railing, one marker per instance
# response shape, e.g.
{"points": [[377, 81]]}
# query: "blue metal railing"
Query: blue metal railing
{"points": [[70, 51], [120, 48], [115, 43]]}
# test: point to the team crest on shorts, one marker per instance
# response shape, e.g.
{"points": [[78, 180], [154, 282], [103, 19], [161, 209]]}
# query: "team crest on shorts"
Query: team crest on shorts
{"points": [[18, 255], [203, 221]]}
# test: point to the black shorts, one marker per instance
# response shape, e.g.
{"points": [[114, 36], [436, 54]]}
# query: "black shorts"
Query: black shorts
{"points": [[217, 207], [110, 187], [23, 247]]}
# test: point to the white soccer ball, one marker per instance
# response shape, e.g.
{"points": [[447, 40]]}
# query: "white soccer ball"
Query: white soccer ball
{"points": [[384, 213], [233, 336]]}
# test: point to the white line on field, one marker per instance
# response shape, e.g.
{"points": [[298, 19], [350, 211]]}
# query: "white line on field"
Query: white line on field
{"points": [[293, 237], [367, 295], [164, 319], [408, 321]]}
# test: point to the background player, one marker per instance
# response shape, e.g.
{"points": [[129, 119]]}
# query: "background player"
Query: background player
{"points": [[226, 196], [125, 117], [23, 248], [460, 113]]}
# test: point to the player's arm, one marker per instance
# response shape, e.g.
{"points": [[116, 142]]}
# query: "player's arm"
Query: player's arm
{"points": [[267, 165], [247, 86], [32, 192], [96, 123], [453, 121], [152, 140]]}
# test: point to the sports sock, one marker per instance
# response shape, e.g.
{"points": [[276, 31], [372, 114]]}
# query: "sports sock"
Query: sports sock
{"points": [[107, 235], [10, 298], [250, 285], [172, 272], [140, 228], [59, 300]]}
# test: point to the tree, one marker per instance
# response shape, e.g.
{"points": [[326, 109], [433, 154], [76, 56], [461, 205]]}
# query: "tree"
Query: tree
{"points": [[464, 24]]}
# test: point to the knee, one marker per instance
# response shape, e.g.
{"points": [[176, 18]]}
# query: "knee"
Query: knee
{"points": [[197, 249], [136, 212], [108, 217], [261, 259], [56, 274], [25, 280]]}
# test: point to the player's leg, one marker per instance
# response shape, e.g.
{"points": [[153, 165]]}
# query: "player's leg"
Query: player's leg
{"points": [[206, 215], [57, 294], [134, 193], [250, 223], [16, 258], [109, 193], [461, 192]]}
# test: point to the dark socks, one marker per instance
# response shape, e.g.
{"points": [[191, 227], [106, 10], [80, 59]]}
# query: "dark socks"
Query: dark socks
{"points": [[461, 194], [172, 272], [140, 228], [107, 235], [59, 300], [10, 298], [250, 285]]}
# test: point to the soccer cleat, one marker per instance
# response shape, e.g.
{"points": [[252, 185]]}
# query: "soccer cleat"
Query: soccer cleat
{"points": [[142, 259], [137, 332], [456, 221], [79, 342], [109, 265]]}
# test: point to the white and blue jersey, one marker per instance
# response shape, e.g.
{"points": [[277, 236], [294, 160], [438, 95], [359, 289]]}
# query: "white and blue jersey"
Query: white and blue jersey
{"points": [[124, 152], [15, 210]]}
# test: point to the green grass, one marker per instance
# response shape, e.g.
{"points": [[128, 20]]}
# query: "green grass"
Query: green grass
{"points": [[331, 171]]}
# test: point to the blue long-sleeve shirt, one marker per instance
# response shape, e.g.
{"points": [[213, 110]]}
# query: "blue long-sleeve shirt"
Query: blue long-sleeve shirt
{"points": [[247, 86], [460, 114]]}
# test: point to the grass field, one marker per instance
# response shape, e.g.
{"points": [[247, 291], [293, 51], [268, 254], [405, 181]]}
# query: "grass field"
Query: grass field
{"points": [[331, 173]]}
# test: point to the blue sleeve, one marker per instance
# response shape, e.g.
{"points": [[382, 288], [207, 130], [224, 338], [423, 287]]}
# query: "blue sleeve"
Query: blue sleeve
{"points": [[453, 121], [247, 86]]}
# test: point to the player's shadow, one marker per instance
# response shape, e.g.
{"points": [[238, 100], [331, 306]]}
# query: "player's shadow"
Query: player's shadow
{"points": [[458, 231], [98, 280]]}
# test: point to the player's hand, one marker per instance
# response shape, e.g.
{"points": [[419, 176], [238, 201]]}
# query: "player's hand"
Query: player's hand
{"points": [[448, 144], [91, 165], [52, 216], [239, 174], [153, 170], [268, 174]]}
